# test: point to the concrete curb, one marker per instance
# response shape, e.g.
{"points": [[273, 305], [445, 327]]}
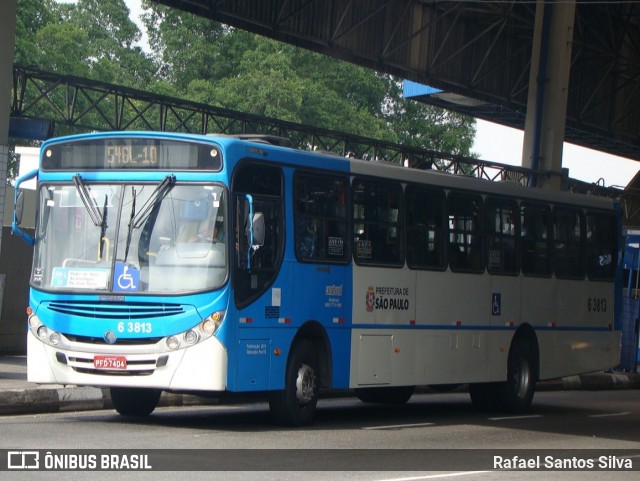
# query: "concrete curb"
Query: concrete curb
{"points": [[602, 381], [82, 398]]}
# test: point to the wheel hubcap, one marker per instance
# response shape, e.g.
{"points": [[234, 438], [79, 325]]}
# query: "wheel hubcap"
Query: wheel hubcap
{"points": [[305, 384]]}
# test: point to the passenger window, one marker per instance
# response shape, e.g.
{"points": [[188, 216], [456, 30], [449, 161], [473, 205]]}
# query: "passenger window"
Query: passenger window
{"points": [[501, 236], [535, 221], [377, 227], [465, 239], [601, 246], [424, 214], [320, 218], [568, 249]]}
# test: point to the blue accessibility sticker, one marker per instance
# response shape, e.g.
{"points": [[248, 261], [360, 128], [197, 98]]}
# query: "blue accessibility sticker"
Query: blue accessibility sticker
{"points": [[496, 304], [126, 278]]}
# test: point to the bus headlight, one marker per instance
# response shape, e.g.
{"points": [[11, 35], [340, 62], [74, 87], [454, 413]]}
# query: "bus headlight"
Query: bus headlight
{"points": [[202, 331], [173, 343], [34, 322], [191, 337], [42, 332], [211, 324], [54, 338]]}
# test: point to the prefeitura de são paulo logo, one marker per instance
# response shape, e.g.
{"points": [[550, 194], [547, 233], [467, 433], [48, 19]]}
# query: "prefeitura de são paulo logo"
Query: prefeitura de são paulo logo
{"points": [[371, 298]]}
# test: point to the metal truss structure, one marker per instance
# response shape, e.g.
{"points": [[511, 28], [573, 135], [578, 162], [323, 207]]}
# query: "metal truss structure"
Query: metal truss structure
{"points": [[79, 105], [479, 51]]}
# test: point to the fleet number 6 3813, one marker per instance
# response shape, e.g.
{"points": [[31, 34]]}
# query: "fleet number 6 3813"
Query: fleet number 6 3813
{"points": [[135, 327]]}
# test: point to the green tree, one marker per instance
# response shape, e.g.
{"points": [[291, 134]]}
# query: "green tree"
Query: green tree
{"points": [[226, 67], [185, 46], [91, 38], [197, 59], [32, 16], [419, 125]]}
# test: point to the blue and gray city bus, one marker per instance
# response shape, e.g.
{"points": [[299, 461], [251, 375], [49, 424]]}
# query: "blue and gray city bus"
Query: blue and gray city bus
{"points": [[211, 264]]}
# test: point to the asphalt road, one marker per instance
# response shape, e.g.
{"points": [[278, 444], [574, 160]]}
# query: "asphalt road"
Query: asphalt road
{"points": [[427, 435]]}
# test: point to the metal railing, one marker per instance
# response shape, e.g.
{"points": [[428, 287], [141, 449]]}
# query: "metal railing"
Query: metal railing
{"points": [[81, 105]]}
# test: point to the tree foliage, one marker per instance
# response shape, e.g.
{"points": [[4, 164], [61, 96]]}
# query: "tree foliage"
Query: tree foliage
{"points": [[91, 38], [193, 58]]}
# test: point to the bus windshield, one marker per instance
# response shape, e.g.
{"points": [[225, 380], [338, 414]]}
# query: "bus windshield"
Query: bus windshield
{"points": [[164, 238]]}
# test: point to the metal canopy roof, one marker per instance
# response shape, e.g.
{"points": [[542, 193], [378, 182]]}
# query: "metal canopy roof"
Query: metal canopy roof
{"points": [[477, 49]]}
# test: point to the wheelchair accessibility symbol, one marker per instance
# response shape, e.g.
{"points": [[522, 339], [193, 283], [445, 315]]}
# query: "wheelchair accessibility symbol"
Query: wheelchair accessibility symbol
{"points": [[125, 278], [496, 304]]}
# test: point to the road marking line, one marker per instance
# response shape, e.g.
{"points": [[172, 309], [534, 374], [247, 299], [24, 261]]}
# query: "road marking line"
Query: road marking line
{"points": [[437, 476], [626, 413], [400, 426], [509, 418]]}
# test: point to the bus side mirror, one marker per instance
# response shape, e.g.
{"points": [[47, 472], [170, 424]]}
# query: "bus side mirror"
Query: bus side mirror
{"points": [[257, 227], [19, 208], [254, 229]]}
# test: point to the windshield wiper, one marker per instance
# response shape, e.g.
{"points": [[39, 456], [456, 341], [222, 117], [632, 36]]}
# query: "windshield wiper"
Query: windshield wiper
{"points": [[92, 209], [103, 226], [130, 227], [137, 218], [156, 196]]}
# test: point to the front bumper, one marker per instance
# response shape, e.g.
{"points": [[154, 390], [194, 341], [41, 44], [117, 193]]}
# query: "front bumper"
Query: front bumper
{"points": [[202, 367]]}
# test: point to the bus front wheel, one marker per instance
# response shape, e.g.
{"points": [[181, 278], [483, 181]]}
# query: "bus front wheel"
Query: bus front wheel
{"points": [[134, 401], [296, 404]]}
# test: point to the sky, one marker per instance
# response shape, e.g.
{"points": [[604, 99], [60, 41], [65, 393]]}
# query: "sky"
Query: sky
{"points": [[504, 145], [500, 144]]}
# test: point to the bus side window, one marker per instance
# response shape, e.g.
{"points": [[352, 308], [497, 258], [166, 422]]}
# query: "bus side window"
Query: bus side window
{"points": [[378, 234], [568, 244], [601, 246], [465, 239], [501, 230], [320, 217], [535, 256], [424, 216]]}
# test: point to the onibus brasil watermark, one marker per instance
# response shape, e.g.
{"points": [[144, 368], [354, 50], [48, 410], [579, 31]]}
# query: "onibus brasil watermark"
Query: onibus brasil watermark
{"points": [[50, 461]]}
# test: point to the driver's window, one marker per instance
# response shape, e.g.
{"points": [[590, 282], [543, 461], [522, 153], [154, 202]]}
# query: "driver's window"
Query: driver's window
{"points": [[256, 267]]}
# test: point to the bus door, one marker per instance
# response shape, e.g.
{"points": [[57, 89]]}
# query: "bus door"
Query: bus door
{"points": [[258, 289]]}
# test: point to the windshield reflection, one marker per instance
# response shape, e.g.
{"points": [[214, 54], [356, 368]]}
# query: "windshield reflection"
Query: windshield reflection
{"points": [[176, 245]]}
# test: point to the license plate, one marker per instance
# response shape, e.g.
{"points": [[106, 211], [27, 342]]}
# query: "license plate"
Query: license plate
{"points": [[110, 362]]}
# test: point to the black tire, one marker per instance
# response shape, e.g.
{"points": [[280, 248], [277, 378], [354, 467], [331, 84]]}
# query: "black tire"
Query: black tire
{"points": [[134, 401], [296, 404], [520, 387], [516, 393], [385, 395]]}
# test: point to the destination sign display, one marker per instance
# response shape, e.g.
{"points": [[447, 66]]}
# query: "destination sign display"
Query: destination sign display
{"points": [[131, 153]]}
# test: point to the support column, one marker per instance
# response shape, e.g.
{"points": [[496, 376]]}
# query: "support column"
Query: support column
{"points": [[548, 90], [7, 43]]}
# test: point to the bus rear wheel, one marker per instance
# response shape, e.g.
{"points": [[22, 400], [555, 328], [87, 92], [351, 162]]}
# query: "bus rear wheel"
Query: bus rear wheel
{"points": [[516, 393], [134, 401], [296, 404], [521, 378]]}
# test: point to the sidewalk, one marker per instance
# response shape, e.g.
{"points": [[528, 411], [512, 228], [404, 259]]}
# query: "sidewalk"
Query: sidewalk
{"points": [[17, 396]]}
